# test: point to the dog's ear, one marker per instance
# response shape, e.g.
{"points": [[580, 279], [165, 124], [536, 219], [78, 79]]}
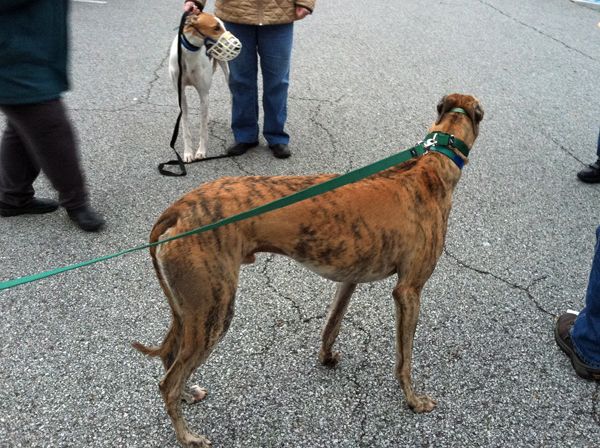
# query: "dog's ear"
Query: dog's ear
{"points": [[476, 115], [478, 112], [445, 104]]}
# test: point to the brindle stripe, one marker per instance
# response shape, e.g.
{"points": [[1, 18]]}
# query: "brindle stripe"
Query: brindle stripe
{"points": [[228, 315], [209, 324], [433, 184]]}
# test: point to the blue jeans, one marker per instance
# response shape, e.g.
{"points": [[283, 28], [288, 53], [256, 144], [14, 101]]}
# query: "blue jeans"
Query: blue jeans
{"points": [[586, 330], [273, 44]]}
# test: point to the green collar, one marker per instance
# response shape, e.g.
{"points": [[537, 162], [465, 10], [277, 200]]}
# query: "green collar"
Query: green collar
{"points": [[460, 110]]}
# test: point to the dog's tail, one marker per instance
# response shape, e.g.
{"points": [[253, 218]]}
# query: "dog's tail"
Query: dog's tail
{"points": [[161, 226], [150, 351]]}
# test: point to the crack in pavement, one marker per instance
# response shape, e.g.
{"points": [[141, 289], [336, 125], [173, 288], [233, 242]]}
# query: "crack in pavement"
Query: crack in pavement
{"points": [[596, 394], [143, 100], [568, 152], [213, 133], [314, 119], [537, 30], [301, 317], [280, 322], [525, 289], [595, 404], [98, 109], [242, 167], [359, 408], [565, 149], [156, 76]]}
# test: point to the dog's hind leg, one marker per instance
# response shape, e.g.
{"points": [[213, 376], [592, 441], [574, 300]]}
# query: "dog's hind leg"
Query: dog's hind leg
{"points": [[168, 354], [407, 303], [332, 326], [173, 384], [205, 307], [170, 345]]}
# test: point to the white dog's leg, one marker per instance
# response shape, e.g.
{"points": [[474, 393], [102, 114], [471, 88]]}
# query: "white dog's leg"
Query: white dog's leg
{"points": [[203, 143], [188, 153]]}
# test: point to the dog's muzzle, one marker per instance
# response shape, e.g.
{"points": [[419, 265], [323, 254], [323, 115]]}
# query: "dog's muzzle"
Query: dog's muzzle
{"points": [[226, 48]]}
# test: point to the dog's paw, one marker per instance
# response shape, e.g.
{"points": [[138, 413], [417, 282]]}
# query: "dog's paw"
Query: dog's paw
{"points": [[191, 440], [188, 157], [195, 394], [422, 403], [330, 359], [200, 154]]}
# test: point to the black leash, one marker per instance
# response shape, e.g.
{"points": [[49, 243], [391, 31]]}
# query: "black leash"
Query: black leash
{"points": [[179, 161]]}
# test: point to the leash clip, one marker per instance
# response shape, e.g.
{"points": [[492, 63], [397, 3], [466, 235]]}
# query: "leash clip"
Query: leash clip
{"points": [[430, 142]]}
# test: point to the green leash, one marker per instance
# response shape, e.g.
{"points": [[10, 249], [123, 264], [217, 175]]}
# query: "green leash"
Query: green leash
{"points": [[437, 141]]}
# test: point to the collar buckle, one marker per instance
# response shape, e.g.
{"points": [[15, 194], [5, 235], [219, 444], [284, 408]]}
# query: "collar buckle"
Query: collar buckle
{"points": [[430, 142]]}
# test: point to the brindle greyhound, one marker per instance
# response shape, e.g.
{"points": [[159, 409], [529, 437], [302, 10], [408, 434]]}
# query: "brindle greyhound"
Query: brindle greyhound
{"points": [[390, 223]]}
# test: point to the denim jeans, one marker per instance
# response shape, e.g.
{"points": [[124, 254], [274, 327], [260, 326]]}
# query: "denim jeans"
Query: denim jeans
{"points": [[586, 330], [273, 45]]}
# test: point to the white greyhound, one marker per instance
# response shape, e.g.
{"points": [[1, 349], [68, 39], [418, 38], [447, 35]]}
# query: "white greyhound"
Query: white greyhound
{"points": [[205, 44]]}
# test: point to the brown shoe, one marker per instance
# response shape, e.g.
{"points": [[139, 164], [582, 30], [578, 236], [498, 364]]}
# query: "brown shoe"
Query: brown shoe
{"points": [[562, 334]]}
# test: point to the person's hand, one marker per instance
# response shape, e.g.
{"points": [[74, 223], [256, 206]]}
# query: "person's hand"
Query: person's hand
{"points": [[301, 12], [191, 8]]}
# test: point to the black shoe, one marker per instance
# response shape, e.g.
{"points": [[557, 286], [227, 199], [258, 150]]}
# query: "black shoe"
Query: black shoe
{"points": [[280, 151], [240, 148], [86, 218], [35, 207], [591, 174]]}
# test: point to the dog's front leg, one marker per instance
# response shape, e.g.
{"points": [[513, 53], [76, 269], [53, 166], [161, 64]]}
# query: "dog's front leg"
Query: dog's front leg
{"points": [[407, 303], [203, 142], [334, 320], [188, 153]]}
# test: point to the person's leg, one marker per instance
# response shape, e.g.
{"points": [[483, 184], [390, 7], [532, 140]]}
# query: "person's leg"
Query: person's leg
{"points": [[47, 137], [243, 84], [591, 173], [275, 50], [586, 330], [17, 170]]}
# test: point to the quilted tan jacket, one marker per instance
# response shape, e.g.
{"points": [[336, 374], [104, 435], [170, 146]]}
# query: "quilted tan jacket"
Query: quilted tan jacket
{"points": [[259, 12]]}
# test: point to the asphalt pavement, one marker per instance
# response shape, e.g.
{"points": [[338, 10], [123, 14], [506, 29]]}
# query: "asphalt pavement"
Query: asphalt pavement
{"points": [[366, 78]]}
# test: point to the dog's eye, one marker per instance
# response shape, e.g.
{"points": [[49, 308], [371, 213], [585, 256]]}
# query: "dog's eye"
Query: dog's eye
{"points": [[217, 27]]}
